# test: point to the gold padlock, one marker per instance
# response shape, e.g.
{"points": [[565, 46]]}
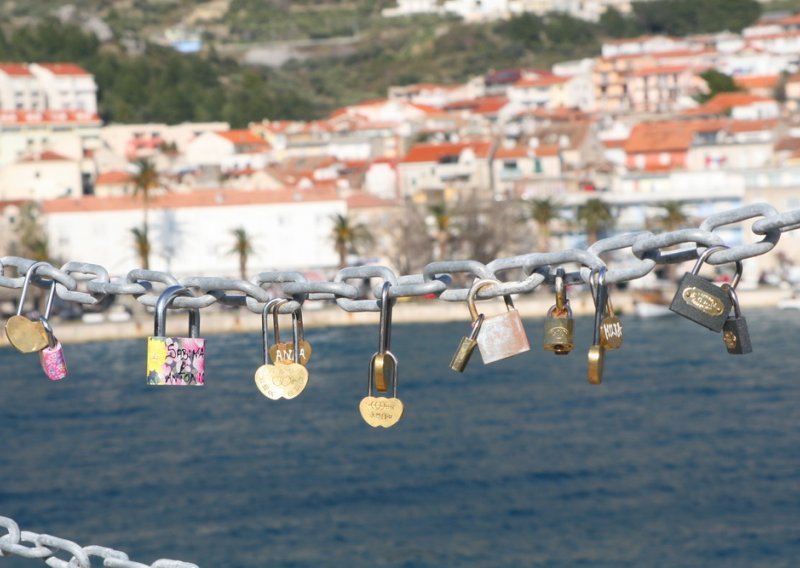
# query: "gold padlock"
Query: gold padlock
{"points": [[466, 347], [28, 336], [501, 336], [559, 325]]}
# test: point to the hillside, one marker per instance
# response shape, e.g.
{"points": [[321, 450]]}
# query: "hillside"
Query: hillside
{"points": [[140, 80]]}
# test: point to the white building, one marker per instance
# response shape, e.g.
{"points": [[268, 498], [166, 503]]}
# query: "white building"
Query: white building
{"points": [[39, 176], [66, 87], [190, 233], [230, 150], [19, 88]]}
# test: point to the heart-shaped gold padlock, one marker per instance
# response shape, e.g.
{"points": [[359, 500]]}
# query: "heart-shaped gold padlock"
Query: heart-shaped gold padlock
{"points": [[281, 381], [284, 353], [27, 336], [381, 412]]}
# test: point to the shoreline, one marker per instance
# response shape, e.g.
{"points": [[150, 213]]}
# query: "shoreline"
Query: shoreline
{"points": [[219, 321]]}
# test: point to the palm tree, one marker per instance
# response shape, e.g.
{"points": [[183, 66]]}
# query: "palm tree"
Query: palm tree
{"points": [[595, 216], [142, 245], [543, 212], [442, 219], [673, 217], [243, 247], [348, 236], [144, 180]]}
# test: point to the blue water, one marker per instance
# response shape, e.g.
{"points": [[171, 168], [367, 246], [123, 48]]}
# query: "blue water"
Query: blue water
{"points": [[685, 456]]}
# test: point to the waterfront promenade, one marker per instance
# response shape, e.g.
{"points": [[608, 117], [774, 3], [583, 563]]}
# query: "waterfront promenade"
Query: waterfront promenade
{"points": [[216, 320]]}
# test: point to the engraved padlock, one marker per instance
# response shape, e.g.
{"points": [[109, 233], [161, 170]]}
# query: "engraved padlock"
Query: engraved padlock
{"points": [[702, 301], [558, 324], [466, 347], [501, 336], [610, 326], [51, 358], [175, 360], [26, 335], [597, 351], [286, 378], [281, 352], [735, 334]]}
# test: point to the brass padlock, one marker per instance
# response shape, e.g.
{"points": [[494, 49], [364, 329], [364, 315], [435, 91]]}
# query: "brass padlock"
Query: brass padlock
{"points": [[735, 334], [610, 325], [597, 351], [383, 362], [501, 336], [559, 325], [26, 335], [466, 347]]}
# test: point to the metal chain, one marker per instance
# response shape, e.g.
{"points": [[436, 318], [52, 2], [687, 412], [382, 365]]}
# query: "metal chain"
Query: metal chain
{"points": [[26, 544], [88, 284]]}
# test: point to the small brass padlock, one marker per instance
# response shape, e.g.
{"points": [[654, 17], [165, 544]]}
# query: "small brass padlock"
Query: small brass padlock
{"points": [[466, 347], [26, 335], [175, 360], [382, 411], [597, 351], [501, 336], [702, 301], [559, 325], [610, 326]]}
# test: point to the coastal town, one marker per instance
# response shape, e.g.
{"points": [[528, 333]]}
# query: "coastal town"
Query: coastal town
{"points": [[430, 171]]}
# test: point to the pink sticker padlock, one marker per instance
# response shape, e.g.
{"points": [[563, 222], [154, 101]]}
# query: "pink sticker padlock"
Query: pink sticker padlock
{"points": [[51, 357]]}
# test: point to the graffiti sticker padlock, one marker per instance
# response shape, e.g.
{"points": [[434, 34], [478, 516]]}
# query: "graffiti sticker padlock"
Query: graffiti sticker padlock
{"points": [[175, 360]]}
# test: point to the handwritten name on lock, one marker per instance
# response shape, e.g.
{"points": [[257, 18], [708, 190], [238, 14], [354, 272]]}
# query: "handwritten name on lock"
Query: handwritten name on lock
{"points": [[175, 361]]}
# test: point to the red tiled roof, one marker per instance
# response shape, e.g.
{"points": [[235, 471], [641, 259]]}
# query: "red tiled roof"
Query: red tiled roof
{"points": [[367, 200], [541, 82], [114, 177], [15, 69], [64, 68], [659, 137], [205, 198], [757, 81], [435, 152], [548, 150], [483, 105], [242, 136], [723, 102], [46, 156], [661, 70], [514, 152]]}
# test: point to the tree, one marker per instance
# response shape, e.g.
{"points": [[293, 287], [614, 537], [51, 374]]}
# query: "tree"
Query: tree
{"points": [[595, 216], [543, 212], [141, 245], [348, 236], [144, 181], [717, 83], [242, 247], [673, 217], [33, 242], [441, 218]]}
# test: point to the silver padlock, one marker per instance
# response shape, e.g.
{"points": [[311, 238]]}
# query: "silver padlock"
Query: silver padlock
{"points": [[501, 336]]}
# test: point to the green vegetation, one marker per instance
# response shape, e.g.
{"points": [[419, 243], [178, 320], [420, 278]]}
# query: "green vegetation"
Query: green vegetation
{"points": [[158, 84], [717, 83]]}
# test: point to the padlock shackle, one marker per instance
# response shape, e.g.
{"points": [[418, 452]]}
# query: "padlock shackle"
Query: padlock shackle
{"points": [[561, 289], [26, 284], [476, 287], [276, 330], [371, 374], [265, 325], [600, 301], [711, 250], [162, 304], [731, 290], [51, 336], [385, 331]]}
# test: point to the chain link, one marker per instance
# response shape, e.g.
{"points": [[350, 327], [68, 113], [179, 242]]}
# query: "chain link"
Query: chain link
{"points": [[26, 544], [356, 288]]}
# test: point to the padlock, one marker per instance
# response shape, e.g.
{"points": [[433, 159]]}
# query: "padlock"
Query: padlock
{"points": [[597, 353], [282, 352], [382, 411], [286, 379], [381, 364], [702, 301], [735, 334], [610, 325], [26, 335], [558, 324], [501, 336], [466, 347], [175, 360], [51, 358]]}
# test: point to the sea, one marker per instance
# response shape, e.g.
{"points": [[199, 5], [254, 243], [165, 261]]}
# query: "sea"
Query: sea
{"points": [[685, 455]]}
